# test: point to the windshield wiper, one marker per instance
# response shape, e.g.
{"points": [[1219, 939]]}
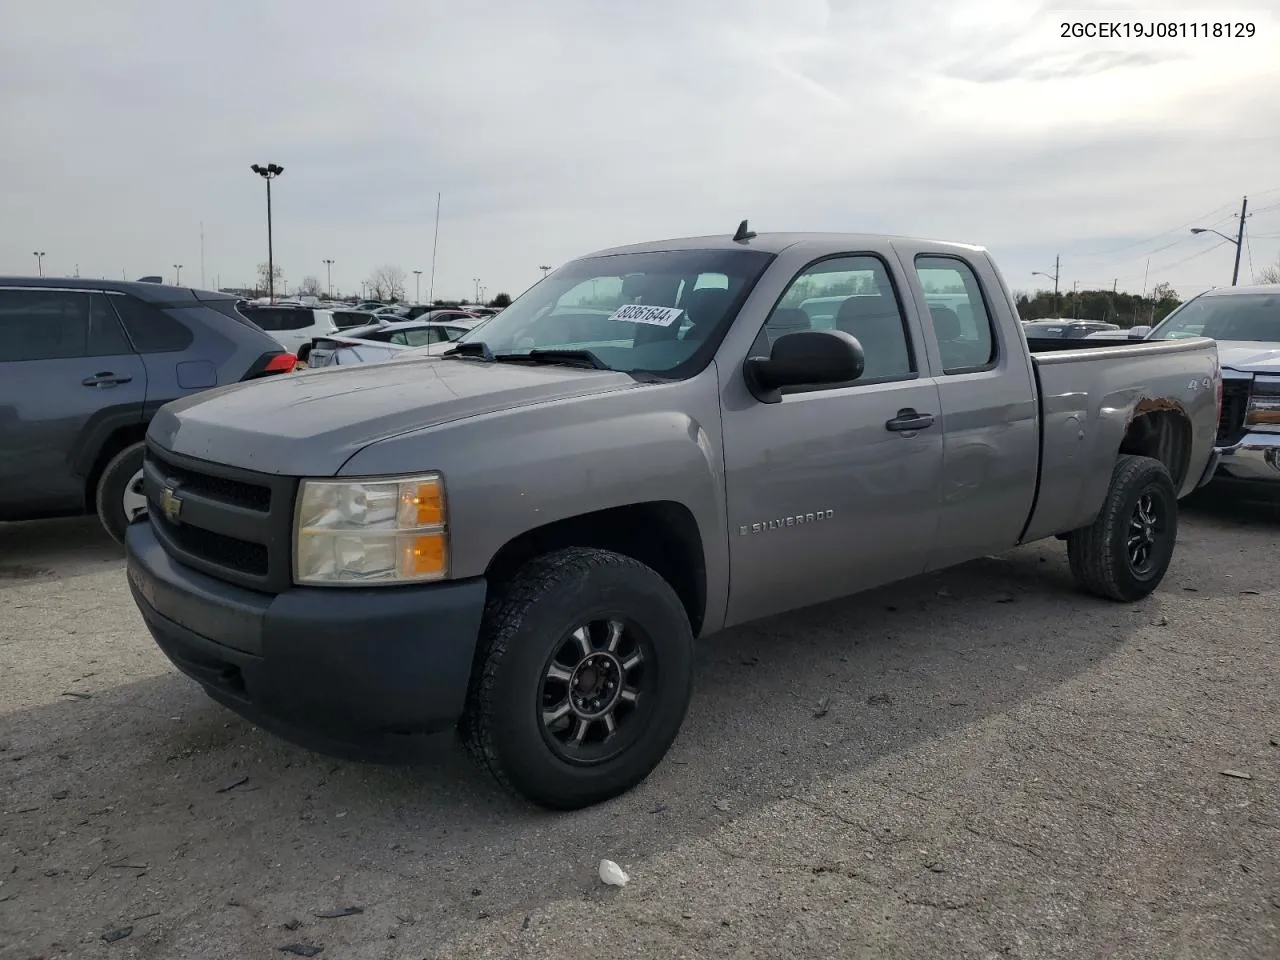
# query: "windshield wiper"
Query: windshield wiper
{"points": [[472, 348], [571, 358]]}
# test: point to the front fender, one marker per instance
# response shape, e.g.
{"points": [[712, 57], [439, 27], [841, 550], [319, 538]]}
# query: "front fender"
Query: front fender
{"points": [[510, 472]]}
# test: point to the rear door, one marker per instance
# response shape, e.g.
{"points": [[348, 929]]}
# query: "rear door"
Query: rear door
{"points": [[991, 441], [68, 380], [830, 491]]}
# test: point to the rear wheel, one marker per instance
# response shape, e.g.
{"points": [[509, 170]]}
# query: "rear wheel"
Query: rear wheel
{"points": [[120, 498], [1125, 553], [583, 678]]}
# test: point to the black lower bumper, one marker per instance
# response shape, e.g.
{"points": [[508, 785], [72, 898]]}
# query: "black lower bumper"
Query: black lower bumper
{"points": [[321, 666]]}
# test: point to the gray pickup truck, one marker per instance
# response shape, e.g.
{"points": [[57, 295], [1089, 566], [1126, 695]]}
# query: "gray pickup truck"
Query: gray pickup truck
{"points": [[654, 443]]}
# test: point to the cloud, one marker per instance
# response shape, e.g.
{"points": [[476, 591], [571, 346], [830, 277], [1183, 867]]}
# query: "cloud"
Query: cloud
{"points": [[556, 128]]}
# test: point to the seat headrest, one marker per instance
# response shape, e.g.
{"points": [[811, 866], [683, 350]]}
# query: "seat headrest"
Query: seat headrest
{"points": [[706, 305], [946, 323], [861, 309]]}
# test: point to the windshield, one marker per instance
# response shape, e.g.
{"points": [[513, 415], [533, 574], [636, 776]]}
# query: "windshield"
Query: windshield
{"points": [[634, 311], [1243, 316]]}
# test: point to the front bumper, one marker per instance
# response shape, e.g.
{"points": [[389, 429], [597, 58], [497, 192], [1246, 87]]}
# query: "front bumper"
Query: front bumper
{"points": [[318, 666], [1255, 458]]}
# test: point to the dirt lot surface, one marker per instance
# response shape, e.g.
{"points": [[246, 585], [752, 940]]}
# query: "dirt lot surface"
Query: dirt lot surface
{"points": [[979, 764]]}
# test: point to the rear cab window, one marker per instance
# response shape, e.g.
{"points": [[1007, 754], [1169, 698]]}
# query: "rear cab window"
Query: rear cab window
{"points": [[958, 310]]}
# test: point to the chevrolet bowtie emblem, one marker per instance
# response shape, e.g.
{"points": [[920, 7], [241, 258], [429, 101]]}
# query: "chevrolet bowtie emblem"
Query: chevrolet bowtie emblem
{"points": [[170, 505]]}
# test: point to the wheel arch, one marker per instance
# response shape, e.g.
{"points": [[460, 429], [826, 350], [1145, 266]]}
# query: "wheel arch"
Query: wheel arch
{"points": [[661, 534]]}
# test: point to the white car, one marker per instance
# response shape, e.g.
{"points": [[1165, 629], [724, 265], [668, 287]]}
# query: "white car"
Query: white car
{"points": [[290, 325], [385, 341]]}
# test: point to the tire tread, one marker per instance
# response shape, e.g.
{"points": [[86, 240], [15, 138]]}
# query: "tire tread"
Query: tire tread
{"points": [[501, 621]]}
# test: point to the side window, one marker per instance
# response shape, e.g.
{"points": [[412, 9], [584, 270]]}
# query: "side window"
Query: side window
{"points": [[961, 321], [853, 294], [151, 329], [43, 324], [399, 338], [106, 338]]}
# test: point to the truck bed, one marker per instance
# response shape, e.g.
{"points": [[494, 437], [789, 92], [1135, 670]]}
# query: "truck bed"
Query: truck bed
{"points": [[1088, 398]]}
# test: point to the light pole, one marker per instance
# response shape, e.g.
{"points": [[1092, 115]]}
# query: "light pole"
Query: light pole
{"points": [[269, 173], [477, 282], [177, 280], [545, 270], [417, 286], [328, 275], [1057, 271], [39, 255], [1238, 241]]}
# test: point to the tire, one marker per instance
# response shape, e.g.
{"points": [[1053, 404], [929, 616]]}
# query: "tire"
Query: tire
{"points": [[304, 352], [1101, 561], [530, 630], [122, 477]]}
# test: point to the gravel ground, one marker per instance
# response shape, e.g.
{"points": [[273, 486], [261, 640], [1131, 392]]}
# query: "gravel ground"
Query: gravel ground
{"points": [[978, 764]]}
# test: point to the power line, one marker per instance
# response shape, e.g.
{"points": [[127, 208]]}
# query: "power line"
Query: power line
{"points": [[1163, 233], [1248, 247]]}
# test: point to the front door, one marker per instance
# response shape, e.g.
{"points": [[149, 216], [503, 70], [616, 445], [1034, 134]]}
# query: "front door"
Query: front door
{"points": [[830, 491]]}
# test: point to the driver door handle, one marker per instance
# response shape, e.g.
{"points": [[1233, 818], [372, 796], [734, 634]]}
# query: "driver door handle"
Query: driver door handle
{"points": [[908, 420]]}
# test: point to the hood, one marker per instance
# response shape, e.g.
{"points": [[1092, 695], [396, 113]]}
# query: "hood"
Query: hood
{"points": [[309, 424], [1249, 356]]}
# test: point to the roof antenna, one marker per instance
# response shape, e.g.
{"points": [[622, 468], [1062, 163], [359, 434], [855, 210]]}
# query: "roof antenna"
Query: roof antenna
{"points": [[744, 233]]}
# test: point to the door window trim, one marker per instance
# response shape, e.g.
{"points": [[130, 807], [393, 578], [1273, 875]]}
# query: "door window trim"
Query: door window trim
{"points": [[913, 355], [996, 344]]}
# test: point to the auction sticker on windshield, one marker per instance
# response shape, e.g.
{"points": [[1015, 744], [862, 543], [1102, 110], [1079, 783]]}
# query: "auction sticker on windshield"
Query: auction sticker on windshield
{"points": [[654, 316]]}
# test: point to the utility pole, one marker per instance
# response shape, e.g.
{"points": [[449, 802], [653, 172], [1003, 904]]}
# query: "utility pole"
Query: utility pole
{"points": [[1057, 272], [435, 242], [417, 286], [328, 276], [1244, 207]]}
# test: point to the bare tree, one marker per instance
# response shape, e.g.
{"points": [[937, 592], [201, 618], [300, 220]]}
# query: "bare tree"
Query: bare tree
{"points": [[310, 287], [1269, 274], [264, 281], [387, 283]]}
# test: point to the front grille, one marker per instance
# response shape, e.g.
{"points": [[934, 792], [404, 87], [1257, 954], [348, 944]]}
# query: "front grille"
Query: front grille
{"points": [[237, 492], [232, 524], [1235, 402]]}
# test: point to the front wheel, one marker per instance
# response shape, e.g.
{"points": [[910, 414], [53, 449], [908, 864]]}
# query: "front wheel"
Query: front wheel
{"points": [[1125, 553], [583, 678], [120, 498]]}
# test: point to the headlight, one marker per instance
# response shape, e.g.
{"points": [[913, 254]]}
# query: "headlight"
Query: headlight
{"points": [[1264, 403], [357, 532]]}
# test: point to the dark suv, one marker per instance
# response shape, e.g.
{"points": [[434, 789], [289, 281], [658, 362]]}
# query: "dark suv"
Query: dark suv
{"points": [[85, 364]]}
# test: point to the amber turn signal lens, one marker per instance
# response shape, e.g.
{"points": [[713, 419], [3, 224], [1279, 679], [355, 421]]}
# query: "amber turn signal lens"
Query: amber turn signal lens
{"points": [[421, 504], [422, 555]]}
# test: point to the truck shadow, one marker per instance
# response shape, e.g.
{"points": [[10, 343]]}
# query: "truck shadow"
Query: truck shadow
{"points": [[204, 800], [40, 549]]}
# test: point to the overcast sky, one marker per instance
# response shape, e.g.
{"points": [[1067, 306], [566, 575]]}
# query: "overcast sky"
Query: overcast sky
{"points": [[556, 127]]}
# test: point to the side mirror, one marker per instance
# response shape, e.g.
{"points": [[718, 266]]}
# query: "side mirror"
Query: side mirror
{"points": [[1139, 332], [802, 359]]}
